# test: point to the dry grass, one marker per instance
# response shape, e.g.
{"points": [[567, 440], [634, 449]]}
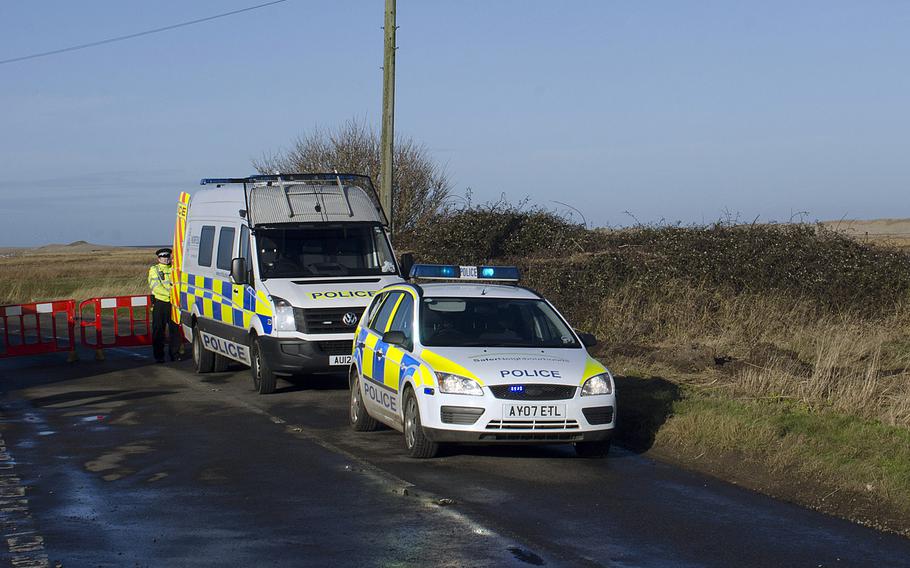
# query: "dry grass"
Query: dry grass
{"points": [[36, 275], [771, 346]]}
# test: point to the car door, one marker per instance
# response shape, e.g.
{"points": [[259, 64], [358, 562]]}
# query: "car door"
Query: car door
{"points": [[403, 321], [377, 396]]}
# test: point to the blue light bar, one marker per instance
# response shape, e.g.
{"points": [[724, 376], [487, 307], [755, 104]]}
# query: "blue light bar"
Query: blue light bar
{"points": [[453, 272]]}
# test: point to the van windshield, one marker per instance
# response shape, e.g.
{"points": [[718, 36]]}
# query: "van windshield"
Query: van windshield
{"points": [[324, 250]]}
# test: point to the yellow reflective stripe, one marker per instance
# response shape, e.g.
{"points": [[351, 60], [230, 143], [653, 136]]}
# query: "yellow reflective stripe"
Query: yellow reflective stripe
{"points": [[592, 367], [392, 371], [366, 356], [423, 377], [442, 365], [388, 324]]}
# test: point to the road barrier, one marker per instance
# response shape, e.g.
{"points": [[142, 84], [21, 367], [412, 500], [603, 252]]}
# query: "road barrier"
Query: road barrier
{"points": [[38, 327], [120, 321]]}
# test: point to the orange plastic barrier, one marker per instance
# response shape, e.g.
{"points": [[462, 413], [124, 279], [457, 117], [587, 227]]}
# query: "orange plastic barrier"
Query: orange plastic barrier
{"points": [[37, 327], [120, 321]]}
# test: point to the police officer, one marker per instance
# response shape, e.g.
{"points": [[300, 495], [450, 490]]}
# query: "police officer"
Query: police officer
{"points": [[161, 284]]}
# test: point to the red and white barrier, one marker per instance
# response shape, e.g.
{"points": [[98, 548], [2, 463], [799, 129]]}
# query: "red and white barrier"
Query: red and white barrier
{"points": [[120, 321], [37, 327]]}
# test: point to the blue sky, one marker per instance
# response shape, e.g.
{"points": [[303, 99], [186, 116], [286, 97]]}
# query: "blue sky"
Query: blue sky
{"points": [[673, 111]]}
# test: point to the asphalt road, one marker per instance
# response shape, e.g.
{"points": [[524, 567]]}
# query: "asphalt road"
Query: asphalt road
{"points": [[127, 463]]}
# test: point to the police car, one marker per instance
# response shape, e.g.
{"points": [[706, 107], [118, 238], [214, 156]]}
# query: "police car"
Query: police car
{"points": [[477, 359]]}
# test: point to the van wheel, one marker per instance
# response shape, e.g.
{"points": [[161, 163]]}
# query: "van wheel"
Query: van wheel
{"points": [[264, 379], [221, 363], [361, 421], [203, 359], [415, 439], [592, 449]]}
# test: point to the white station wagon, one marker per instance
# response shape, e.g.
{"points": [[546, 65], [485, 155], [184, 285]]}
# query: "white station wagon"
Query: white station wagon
{"points": [[477, 359]]}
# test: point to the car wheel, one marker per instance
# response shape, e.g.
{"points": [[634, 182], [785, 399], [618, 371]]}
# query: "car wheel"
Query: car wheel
{"points": [[264, 380], [361, 421], [415, 439], [592, 449], [203, 359]]}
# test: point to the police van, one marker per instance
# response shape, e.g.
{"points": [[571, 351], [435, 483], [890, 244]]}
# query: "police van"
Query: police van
{"points": [[477, 359], [274, 271]]}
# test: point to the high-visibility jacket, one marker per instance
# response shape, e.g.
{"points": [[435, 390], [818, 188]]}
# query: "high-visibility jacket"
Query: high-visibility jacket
{"points": [[160, 281]]}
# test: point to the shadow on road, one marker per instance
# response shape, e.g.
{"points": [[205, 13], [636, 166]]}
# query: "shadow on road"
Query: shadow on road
{"points": [[644, 405]]}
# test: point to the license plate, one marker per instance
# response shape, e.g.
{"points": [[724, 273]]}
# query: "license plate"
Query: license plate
{"points": [[525, 411], [340, 359]]}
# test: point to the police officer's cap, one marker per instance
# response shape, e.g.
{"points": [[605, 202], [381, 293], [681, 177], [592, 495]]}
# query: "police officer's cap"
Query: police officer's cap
{"points": [[162, 251]]}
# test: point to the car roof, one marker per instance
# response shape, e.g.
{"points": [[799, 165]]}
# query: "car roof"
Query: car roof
{"points": [[477, 290]]}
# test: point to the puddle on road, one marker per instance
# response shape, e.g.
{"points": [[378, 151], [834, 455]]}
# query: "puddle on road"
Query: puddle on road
{"points": [[526, 556], [112, 462]]}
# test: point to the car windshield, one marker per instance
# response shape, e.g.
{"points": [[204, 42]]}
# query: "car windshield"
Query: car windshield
{"points": [[356, 249], [492, 322]]}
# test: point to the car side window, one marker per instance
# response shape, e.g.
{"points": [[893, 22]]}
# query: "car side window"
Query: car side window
{"points": [[404, 317], [380, 322]]}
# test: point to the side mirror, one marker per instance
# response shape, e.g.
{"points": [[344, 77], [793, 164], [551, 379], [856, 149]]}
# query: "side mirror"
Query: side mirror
{"points": [[407, 261], [587, 339], [238, 271], [395, 337]]}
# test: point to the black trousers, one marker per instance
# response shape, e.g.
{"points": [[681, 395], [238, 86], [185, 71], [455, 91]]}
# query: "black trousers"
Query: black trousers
{"points": [[161, 321]]}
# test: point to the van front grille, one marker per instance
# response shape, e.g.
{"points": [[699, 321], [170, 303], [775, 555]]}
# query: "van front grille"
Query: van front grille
{"points": [[326, 320], [341, 347]]}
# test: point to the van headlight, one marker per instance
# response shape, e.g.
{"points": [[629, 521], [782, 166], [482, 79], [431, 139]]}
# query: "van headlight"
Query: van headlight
{"points": [[456, 384], [284, 315], [598, 384]]}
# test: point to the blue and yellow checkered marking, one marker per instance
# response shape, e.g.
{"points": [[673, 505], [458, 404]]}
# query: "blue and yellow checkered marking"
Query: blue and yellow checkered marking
{"points": [[214, 299]]}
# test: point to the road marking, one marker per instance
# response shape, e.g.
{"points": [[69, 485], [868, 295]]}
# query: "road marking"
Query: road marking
{"points": [[23, 542]]}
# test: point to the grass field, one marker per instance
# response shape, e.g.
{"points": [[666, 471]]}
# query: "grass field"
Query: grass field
{"points": [[59, 272]]}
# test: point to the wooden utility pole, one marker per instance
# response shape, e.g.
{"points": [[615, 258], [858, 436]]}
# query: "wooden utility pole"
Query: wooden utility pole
{"points": [[387, 137]]}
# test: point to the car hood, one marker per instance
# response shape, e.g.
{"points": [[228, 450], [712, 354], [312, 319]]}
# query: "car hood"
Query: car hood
{"points": [[495, 366], [328, 293]]}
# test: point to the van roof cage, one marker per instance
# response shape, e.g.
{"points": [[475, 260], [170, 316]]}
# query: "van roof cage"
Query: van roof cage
{"points": [[295, 192]]}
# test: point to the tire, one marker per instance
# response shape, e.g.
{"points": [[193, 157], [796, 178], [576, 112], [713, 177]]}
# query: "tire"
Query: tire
{"points": [[203, 359], [361, 421], [415, 439], [264, 380], [221, 363], [592, 449]]}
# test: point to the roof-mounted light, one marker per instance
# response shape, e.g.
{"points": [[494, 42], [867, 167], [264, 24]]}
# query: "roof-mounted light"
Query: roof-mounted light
{"points": [[454, 272]]}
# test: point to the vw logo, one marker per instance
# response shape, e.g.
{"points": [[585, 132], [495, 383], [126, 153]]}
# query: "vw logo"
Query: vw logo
{"points": [[349, 319]]}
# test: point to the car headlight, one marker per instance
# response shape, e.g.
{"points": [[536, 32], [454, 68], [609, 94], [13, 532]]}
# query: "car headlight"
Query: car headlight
{"points": [[455, 384], [284, 315], [598, 384]]}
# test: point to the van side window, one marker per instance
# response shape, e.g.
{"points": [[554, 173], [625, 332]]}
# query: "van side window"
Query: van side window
{"points": [[206, 241], [225, 248], [245, 246], [382, 317]]}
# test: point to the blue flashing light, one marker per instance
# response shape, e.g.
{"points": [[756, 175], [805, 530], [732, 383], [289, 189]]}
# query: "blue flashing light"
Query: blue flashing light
{"points": [[435, 271], [517, 388], [508, 273], [453, 272]]}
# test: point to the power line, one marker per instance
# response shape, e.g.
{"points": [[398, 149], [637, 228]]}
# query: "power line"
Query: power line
{"points": [[139, 34]]}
